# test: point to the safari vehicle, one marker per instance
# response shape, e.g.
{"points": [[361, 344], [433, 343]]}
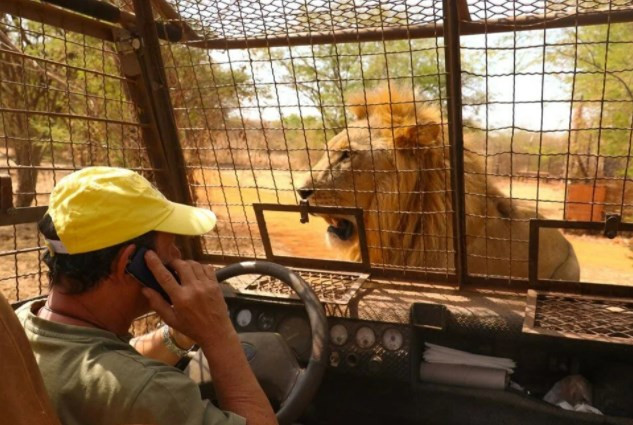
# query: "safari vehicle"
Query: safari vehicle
{"points": [[455, 173]]}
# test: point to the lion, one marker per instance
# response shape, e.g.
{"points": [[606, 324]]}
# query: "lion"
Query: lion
{"points": [[392, 162]]}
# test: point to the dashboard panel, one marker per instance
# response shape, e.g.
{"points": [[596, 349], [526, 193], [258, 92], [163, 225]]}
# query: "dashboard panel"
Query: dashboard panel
{"points": [[357, 347]]}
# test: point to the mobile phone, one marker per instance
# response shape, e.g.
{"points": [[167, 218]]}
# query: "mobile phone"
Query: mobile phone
{"points": [[137, 267]]}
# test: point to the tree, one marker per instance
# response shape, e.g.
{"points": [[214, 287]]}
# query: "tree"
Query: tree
{"points": [[603, 89], [325, 75], [65, 102]]}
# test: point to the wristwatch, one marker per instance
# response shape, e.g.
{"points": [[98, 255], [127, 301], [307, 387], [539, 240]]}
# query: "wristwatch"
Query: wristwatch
{"points": [[171, 345]]}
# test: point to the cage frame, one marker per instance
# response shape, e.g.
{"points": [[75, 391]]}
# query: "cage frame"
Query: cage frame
{"points": [[160, 133]]}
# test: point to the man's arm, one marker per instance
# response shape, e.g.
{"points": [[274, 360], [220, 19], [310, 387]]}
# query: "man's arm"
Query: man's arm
{"points": [[152, 345], [199, 311]]}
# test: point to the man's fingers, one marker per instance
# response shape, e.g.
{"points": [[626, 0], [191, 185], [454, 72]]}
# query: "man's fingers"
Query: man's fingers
{"points": [[160, 306], [161, 273], [185, 273], [198, 270]]}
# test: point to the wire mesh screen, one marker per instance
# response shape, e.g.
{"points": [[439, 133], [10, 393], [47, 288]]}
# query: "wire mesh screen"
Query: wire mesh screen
{"points": [[549, 121], [580, 317], [509, 11], [332, 121], [269, 18], [547, 126], [63, 106]]}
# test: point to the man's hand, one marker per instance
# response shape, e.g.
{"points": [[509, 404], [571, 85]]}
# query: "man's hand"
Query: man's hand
{"points": [[198, 310]]}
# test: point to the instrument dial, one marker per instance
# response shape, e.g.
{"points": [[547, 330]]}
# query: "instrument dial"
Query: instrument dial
{"points": [[265, 322], [392, 339], [338, 334], [244, 318], [365, 337]]}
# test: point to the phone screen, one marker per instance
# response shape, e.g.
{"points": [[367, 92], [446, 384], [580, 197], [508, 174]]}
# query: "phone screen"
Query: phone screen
{"points": [[138, 268]]}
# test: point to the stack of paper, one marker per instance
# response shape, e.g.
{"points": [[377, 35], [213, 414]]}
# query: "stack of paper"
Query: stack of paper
{"points": [[439, 354]]}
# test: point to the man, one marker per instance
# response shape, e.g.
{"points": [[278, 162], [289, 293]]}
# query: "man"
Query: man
{"points": [[97, 218]]}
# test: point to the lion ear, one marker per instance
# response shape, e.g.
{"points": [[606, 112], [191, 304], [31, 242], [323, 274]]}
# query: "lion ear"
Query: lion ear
{"points": [[416, 135]]}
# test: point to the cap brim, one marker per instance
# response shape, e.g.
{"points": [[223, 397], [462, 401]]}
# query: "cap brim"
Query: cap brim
{"points": [[187, 220]]}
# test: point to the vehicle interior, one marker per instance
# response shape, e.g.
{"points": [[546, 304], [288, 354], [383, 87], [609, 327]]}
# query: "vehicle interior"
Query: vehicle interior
{"points": [[425, 207]]}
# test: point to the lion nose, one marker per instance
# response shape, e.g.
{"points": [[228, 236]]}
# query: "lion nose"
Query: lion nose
{"points": [[305, 193]]}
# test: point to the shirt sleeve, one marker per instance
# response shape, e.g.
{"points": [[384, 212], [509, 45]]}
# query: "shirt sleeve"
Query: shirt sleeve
{"points": [[171, 398]]}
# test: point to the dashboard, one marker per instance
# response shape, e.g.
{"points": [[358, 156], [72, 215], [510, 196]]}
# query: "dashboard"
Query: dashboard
{"points": [[357, 347]]}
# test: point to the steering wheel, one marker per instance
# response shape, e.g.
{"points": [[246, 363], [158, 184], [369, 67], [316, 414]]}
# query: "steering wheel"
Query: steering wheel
{"points": [[278, 371]]}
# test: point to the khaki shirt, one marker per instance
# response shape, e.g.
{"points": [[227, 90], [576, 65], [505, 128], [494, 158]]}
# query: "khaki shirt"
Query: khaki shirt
{"points": [[94, 377]]}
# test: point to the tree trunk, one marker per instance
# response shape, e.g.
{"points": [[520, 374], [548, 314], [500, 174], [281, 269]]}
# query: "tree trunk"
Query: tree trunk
{"points": [[27, 154]]}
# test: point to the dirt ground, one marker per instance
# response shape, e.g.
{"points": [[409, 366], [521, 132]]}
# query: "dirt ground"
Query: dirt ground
{"points": [[601, 260], [230, 193]]}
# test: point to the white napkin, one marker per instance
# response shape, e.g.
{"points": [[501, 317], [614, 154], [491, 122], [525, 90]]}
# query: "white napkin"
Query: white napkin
{"points": [[438, 354]]}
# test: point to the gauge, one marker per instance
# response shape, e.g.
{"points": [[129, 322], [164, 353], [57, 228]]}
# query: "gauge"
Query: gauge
{"points": [[338, 334], [296, 331], [392, 339], [244, 318], [365, 337], [266, 321]]}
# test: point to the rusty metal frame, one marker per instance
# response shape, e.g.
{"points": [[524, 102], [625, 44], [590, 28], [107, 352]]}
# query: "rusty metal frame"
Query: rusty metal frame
{"points": [[456, 136], [54, 16], [582, 288], [167, 156], [437, 29], [357, 213], [22, 215]]}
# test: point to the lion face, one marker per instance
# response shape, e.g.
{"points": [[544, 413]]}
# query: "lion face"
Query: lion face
{"points": [[374, 165], [346, 176]]}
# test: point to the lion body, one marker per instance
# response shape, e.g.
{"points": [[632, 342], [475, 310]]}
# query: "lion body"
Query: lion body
{"points": [[393, 163]]}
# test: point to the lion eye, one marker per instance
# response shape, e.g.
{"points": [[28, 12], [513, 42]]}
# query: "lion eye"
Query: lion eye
{"points": [[345, 155]]}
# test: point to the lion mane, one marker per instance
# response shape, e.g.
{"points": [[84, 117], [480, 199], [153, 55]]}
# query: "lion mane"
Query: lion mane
{"points": [[392, 161]]}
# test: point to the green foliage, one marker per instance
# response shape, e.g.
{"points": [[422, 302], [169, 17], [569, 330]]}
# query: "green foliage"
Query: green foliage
{"points": [[326, 75], [203, 93], [603, 86]]}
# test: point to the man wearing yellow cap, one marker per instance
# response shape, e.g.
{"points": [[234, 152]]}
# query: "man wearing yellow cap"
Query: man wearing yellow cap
{"points": [[97, 218]]}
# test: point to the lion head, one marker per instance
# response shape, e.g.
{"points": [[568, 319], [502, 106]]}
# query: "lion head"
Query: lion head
{"points": [[391, 162]]}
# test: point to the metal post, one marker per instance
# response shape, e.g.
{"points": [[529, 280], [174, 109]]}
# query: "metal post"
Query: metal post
{"points": [[169, 160], [455, 135]]}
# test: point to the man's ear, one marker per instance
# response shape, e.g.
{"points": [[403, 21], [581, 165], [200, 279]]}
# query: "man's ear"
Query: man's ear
{"points": [[122, 259], [416, 135]]}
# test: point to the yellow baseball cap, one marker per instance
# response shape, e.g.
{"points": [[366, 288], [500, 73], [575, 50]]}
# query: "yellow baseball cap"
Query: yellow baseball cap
{"points": [[98, 207]]}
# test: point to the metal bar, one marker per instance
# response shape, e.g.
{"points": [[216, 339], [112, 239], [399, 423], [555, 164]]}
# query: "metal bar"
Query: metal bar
{"points": [[6, 193], [169, 159], [70, 116], [462, 10], [530, 310], [455, 136], [22, 215], [418, 31], [263, 231], [533, 246], [56, 17], [107, 12], [166, 10]]}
